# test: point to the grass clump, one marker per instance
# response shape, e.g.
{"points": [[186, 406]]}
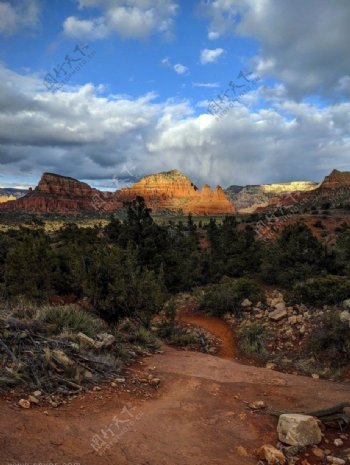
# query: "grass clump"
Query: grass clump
{"points": [[147, 339], [253, 339], [71, 319]]}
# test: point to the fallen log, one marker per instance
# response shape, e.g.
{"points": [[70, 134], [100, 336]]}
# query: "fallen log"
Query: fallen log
{"points": [[338, 408]]}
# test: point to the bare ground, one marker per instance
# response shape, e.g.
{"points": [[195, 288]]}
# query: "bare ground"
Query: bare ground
{"points": [[198, 416]]}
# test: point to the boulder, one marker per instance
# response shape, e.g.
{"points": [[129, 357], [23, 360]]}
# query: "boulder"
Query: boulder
{"points": [[299, 430]]}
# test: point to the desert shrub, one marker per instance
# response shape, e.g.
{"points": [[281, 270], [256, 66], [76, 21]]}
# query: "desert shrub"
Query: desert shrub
{"points": [[324, 290], [182, 339], [253, 339], [147, 339], [226, 297], [70, 318], [331, 340]]}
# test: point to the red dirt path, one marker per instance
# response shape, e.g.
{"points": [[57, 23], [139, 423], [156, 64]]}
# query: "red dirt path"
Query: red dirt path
{"points": [[198, 416]]}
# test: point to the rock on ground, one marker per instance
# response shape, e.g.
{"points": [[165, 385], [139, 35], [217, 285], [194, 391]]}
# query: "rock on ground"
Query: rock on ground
{"points": [[299, 430]]}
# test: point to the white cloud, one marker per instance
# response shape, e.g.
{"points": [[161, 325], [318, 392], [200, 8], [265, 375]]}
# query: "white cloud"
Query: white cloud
{"points": [[89, 136], [208, 85], [210, 55], [127, 18], [303, 43], [180, 69], [16, 15], [212, 35]]}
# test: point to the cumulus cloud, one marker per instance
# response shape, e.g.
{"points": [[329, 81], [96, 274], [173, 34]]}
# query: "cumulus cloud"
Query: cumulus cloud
{"points": [[304, 44], [16, 15], [127, 18], [83, 134], [210, 55]]}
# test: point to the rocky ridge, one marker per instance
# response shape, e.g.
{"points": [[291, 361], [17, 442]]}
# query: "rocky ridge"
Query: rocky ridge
{"points": [[163, 192]]}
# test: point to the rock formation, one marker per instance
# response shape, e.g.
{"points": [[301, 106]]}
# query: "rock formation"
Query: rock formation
{"points": [[62, 195], [164, 192], [7, 194], [249, 198], [172, 191]]}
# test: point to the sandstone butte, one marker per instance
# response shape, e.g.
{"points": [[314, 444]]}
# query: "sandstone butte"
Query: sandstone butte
{"points": [[173, 191], [164, 192]]}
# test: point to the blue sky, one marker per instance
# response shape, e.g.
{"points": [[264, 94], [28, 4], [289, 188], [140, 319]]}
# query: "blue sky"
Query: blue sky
{"points": [[158, 92]]}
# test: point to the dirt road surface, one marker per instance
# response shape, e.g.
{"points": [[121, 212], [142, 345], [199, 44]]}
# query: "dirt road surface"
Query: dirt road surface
{"points": [[199, 415]]}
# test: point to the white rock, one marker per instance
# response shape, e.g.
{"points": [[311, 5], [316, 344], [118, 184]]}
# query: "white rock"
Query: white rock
{"points": [[335, 460], [246, 303], [298, 430], [338, 442], [24, 403], [344, 316]]}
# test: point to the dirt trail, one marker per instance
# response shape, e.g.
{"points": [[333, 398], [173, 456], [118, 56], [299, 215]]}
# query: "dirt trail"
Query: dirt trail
{"points": [[199, 416], [218, 328]]}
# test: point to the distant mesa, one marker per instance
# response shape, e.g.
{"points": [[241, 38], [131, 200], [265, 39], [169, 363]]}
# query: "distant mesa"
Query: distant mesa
{"points": [[169, 191]]}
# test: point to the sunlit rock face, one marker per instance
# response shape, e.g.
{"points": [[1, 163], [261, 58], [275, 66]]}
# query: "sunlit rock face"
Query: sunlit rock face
{"points": [[250, 198], [173, 191]]}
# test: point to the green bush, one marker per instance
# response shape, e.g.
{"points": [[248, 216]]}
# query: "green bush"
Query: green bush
{"points": [[226, 297], [253, 339], [144, 337], [331, 341], [72, 319], [324, 290]]}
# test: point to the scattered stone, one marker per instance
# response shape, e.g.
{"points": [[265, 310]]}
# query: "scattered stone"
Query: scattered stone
{"points": [[85, 340], [37, 394], [335, 460], [114, 384], [338, 442], [271, 366], [105, 341], [346, 303], [33, 399], [272, 455], [246, 303], [318, 452], [24, 403], [242, 451], [257, 405], [315, 376], [344, 316], [278, 314], [96, 388], [299, 430], [155, 381], [119, 380]]}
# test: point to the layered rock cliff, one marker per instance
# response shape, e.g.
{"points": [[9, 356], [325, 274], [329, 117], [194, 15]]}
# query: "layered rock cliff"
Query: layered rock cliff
{"points": [[62, 195], [172, 191], [250, 198], [164, 192]]}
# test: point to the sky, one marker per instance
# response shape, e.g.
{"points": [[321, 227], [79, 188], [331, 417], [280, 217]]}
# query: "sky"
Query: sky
{"points": [[227, 91]]}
